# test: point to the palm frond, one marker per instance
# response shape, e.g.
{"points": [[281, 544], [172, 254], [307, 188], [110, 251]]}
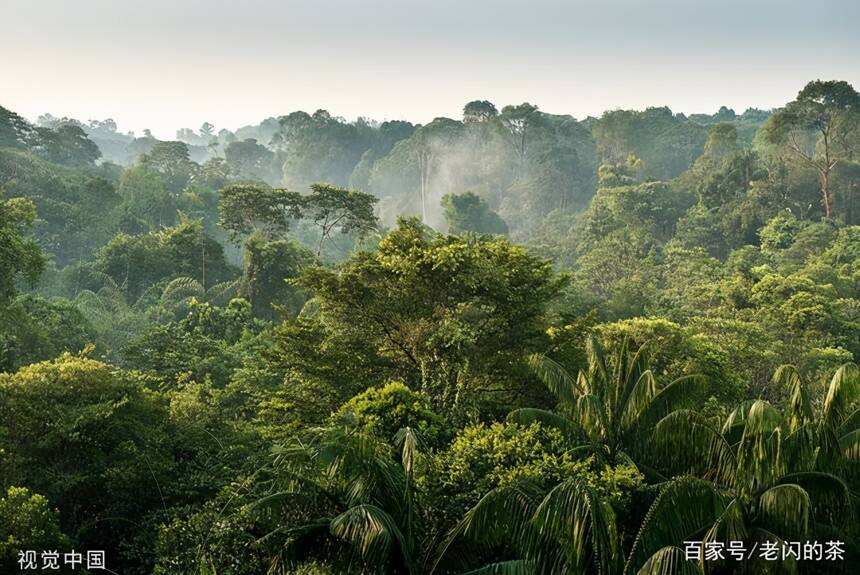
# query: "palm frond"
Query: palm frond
{"points": [[676, 395], [410, 443], [736, 420], [730, 526], [849, 423], [592, 418], [181, 288], [501, 516], [685, 509], [374, 533], [573, 528], [597, 366], [759, 452], [556, 379], [849, 445], [829, 495], [685, 442], [638, 399], [631, 376], [220, 293], [512, 567], [843, 391], [670, 560], [799, 406], [785, 509]]}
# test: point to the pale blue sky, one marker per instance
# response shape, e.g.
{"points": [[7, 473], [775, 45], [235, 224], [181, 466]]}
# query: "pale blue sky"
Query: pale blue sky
{"points": [[166, 64]]}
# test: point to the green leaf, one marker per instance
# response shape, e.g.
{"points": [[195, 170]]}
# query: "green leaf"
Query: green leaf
{"points": [[574, 527], [684, 511], [785, 509], [373, 532], [512, 567], [669, 560], [556, 379]]}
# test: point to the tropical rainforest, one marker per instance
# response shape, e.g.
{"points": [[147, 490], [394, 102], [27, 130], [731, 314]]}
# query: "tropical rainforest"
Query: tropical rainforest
{"points": [[509, 343]]}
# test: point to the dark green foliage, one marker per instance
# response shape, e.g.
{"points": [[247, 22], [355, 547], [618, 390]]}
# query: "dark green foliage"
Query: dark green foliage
{"points": [[68, 145], [74, 207], [15, 131], [200, 347], [137, 262], [479, 111], [244, 208], [450, 313], [820, 127], [667, 143], [470, 213], [89, 438], [320, 148], [331, 208], [248, 159], [170, 160], [18, 253], [42, 329], [269, 267]]}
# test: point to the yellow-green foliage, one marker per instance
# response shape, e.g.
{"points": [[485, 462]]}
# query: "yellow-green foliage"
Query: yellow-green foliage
{"points": [[383, 411], [26, 522]]}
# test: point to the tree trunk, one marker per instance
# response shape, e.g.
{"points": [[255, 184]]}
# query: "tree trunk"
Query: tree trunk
{"points": [[825, 191], [424, 177]]}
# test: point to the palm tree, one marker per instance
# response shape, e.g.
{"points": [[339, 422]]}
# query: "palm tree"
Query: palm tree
{"points": [[605, 411], [342, 494], [609, 407], [762, 476], [759, 477], [570, 529]]}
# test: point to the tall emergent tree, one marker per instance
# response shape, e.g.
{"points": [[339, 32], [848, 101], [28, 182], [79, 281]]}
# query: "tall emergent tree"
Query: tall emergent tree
{"points": [[821, 127], [331, 208], [246, 208]]}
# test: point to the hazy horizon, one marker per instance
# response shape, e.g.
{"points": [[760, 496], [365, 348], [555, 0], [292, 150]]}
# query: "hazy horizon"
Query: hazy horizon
{"points": [[169, 65]]}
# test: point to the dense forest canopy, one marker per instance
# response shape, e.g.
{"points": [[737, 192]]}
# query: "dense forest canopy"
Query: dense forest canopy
{"points": [[513, 342]]}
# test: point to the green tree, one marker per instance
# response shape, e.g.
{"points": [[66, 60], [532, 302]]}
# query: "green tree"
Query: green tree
{"points": [[331, 208], [469, 212], [15, 131], [447, 314], [479, 111], [172, 162], [349, 499], [27, 522], [245, 208], [761, 476], [530, 529], [821, 127], [518, 120], [92, 440], [483, 458], [19, 254], [68, 145], [42, 329], [608, 407], [384, 411], [269, 267], [320, 147], [136, 263], [248, 159]]}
